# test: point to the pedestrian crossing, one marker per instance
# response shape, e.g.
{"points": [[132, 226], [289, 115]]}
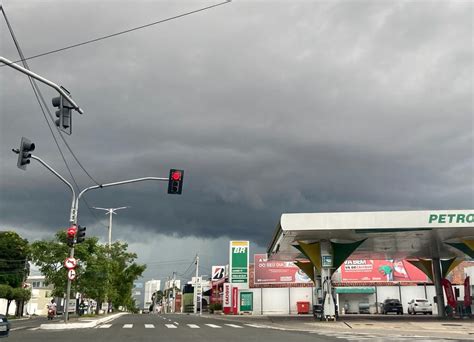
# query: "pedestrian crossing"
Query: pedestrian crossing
{"points": [[362, 337], [172, 325]]}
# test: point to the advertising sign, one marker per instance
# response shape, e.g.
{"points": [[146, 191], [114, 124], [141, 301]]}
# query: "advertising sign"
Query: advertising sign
{"points": [[246, 301], [381, 270], [448, 290], [235, 300], [227, 300], [239, 263], [218, 273], [467, 292], [276, 271]]}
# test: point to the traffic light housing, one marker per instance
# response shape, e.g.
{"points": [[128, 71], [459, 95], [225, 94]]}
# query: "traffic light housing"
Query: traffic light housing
{"points": [[175, 182], [26, 146], [71, 235], [81, 234], [64, 114]]}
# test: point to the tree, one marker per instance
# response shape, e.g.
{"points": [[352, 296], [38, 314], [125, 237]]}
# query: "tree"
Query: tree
{"points": [[6, 292], [21, 296], [101, 273], [14, 256]]}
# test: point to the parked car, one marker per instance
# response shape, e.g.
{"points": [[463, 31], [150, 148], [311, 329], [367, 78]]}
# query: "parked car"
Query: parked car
{"points": [[4, 326], [420, 305], [392, 305]]}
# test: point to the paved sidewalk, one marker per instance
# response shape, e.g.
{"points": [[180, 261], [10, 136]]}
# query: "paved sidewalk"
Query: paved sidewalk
{"points": [[81, 323], [450, 329]]}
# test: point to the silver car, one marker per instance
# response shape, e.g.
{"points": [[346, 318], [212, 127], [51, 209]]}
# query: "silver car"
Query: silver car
{"points": [[420, 305]]}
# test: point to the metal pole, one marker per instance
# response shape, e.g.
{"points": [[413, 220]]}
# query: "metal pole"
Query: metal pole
{"points": [[72, 220], [110, 228], [43, 80]]}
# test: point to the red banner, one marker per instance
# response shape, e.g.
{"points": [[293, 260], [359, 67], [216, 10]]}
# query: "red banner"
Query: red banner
{"points": [[235, 300], [381, 270], [467, 292], [276, 272], [448, 290]]}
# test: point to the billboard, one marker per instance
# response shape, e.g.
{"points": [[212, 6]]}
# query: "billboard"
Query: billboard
{"points": [[218, 273], [381, 270], [276, 271], [239, 263]]}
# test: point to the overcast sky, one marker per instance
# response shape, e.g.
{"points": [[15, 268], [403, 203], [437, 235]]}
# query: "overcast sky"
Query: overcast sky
{"points": [[270, 107]]}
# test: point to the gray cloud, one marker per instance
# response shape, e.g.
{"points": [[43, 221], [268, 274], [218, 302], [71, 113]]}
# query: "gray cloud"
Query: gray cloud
{"points": [[270, 107]]}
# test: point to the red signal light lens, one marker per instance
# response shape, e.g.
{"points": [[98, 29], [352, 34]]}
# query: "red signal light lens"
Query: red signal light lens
{"points": [[176, 176], [72, 231]]}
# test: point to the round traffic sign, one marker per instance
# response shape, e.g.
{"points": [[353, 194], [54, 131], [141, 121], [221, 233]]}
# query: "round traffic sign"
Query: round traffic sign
{"points": [[71, 274], [70, 263]]}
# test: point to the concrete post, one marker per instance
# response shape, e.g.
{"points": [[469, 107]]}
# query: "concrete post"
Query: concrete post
{"points": [[438, 287]]}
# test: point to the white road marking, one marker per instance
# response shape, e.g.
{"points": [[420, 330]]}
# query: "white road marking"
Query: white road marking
{"points": [[171, 326], [213, 326], [255, 326], [149, 326], [127, 326], [193, 326], [34, 328], [176, 323], [105, 326], [234, 325]]}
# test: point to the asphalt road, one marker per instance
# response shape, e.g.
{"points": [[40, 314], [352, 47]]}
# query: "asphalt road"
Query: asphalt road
{"points": [[180, 327], [165, 328]]}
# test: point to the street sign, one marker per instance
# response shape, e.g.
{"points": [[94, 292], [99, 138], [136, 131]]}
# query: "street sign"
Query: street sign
{"points": [[71, 274], [70, 263], [326, 260]]}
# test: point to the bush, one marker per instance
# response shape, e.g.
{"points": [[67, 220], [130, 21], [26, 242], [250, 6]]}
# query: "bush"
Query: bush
{"points": [[214, 307]]}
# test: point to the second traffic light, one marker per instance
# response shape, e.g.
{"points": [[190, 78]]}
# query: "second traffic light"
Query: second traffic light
{"points": [[24, 154], [175, 182], [64, 114], [81, 234]]}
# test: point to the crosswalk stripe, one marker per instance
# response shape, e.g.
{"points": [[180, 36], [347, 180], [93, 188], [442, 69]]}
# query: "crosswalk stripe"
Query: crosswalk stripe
{"points": [[105, 326], [234, 326], [171, 326], [149, 326], [213, 326], [127, 326], [193, 326]]}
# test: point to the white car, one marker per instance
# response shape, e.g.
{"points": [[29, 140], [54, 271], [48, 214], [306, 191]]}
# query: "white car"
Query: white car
{"points": [[420, 305]]}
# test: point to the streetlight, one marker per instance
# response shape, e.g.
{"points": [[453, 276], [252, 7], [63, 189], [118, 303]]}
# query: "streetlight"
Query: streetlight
{"points": [[110, 211]]}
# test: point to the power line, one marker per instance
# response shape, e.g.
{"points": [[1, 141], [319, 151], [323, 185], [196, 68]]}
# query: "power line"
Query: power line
{"points": [[121, 32]]}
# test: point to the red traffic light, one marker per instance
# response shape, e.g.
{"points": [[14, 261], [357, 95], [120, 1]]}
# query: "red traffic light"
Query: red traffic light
{"points": [[176, 175], [71, 231]]}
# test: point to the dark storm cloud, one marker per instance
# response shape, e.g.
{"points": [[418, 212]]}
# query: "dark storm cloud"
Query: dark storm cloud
{"points": [[270, 107]]}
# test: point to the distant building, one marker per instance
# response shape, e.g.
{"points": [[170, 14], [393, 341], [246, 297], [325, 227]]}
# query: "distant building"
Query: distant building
{"points": [[151, 287], [138, 294], [40, 295]]}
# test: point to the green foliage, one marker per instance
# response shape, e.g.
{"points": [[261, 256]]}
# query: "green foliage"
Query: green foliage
{"points": [[102, 272], [6, 292], [215, 307], [14, 255], [21, 295]]}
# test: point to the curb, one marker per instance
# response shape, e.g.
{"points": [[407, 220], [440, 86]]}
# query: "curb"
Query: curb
{"points": [[91, 324]]}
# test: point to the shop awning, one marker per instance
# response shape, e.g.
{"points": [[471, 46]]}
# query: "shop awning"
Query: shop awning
{"points": [[368, 290]]}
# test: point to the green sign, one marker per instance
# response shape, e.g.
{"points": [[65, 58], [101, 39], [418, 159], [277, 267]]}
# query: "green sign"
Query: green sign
{"points": [[246, 301], [239, 262]]}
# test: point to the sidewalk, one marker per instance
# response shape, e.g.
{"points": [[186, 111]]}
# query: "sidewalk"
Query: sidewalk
{"points": [[81, 323], [462, 329]]}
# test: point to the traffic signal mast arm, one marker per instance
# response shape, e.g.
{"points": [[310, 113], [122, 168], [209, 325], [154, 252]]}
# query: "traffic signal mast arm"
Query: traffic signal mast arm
{"points": [[114, 184], [43, 80]]}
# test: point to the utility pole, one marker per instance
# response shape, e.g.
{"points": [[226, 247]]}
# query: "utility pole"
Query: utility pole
{"points": [[174, 293], [110, 211], [197, 288]]}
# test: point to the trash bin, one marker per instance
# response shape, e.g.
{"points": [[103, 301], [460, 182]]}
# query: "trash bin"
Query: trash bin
{"points": [[302, 307]]}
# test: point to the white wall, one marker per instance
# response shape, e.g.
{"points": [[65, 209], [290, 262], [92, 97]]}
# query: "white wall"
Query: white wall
{"points": [[3, 307], [280, 301]]}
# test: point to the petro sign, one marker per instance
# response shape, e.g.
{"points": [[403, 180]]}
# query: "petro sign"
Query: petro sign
{"points": [[451, 218]]}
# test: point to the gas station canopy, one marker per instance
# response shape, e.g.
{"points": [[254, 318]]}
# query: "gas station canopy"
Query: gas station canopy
{"points": [[442, 234]]}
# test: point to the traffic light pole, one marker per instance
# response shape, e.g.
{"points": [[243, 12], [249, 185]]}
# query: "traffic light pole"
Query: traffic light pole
{"points": [[75, 209], [43, 80]]}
